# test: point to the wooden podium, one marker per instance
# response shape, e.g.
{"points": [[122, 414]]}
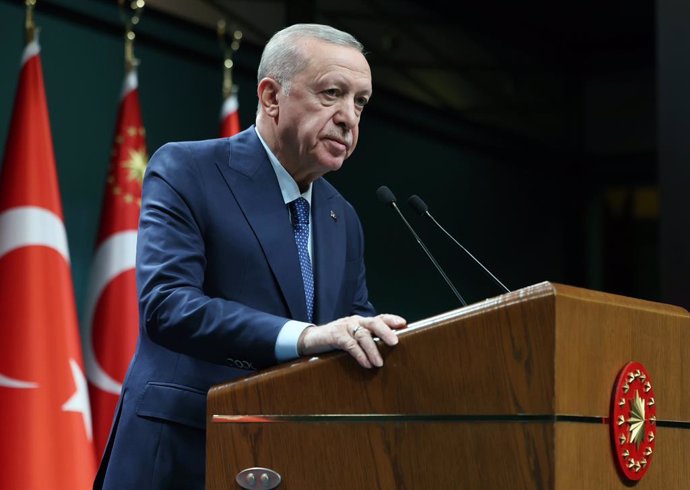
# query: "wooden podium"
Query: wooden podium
{"points": [[510, 393]]}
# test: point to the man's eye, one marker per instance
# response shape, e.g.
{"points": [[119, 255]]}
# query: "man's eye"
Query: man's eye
{"points": [[331, 92], [361, 101]]}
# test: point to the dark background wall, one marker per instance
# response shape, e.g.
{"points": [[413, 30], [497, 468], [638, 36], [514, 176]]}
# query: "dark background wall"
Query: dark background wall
{"points": [[570, 195], [674, 148]]}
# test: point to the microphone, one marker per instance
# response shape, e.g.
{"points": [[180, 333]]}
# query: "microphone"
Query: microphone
{"points": [[386, 196], [420, 206]]}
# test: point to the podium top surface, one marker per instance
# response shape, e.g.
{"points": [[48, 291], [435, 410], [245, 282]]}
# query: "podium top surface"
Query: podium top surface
{"points": [[543, 349], [549, 289]]}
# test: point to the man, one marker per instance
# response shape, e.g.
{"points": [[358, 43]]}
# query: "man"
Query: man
{"points": [[226, 284]]}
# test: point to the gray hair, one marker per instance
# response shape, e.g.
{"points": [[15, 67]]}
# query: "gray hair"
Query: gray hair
{"points": [[282, 59]]}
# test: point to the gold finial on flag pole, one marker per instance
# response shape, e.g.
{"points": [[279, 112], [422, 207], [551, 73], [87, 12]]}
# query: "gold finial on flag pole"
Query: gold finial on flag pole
{"points": [[29, 25], [228, 51], [130, 20]]}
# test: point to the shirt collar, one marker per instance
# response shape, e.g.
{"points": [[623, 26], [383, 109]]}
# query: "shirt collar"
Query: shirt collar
{"points": [[288, 186]]}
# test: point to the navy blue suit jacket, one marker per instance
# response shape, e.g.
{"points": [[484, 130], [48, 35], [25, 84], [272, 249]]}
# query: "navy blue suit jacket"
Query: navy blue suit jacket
{"points": [[218, 276]]}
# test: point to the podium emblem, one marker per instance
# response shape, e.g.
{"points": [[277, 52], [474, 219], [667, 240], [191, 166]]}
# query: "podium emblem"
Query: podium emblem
{"points": [[633, 421]]}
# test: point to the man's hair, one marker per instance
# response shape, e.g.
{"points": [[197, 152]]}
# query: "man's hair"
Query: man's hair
{"points": [[282, 58]]}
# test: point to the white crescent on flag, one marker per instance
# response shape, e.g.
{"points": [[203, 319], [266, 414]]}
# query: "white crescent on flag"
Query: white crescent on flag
{"points": [[16, 383], [28, 226], [115, 255]]}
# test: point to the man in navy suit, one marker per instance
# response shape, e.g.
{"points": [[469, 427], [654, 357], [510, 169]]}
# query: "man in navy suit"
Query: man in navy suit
{"points": [[226, 285]]}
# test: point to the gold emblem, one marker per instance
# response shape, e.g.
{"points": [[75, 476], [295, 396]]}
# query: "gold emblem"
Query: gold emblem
{"points": [[633, 421], [136, 164]]}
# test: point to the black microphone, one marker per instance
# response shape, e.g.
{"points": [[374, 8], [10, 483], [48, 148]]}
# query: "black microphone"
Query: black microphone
{"points": [[386, 196], [421, 207]]}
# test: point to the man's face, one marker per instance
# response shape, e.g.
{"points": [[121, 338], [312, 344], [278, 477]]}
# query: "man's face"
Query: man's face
{"points": [[318, 122]]}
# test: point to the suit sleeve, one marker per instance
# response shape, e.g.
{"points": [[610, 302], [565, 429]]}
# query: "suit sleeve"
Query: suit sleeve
{"points": [[175, 311]]}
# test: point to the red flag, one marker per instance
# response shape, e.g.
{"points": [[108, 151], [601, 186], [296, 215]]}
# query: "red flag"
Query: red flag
{"points": [[111, 322], [44, 406], [230, 115]]}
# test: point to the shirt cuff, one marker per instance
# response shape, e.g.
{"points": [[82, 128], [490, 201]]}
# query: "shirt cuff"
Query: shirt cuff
{"points": [[286, 343]]}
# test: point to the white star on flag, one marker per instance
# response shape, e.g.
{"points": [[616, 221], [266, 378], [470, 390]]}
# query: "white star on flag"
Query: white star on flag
{"points": [[79, 401]]}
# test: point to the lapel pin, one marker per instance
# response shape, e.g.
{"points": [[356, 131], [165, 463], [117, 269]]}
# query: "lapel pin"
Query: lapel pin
{"points": [[334, 217]]}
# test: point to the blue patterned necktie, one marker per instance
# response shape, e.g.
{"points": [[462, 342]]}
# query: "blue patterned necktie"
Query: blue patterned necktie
{"points": [[299, 209]]}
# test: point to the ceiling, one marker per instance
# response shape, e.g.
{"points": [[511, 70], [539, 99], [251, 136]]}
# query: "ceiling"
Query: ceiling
{"points": [[508, 65]]}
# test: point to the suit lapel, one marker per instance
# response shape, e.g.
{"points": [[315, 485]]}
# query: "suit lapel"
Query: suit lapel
{"points": [[252, 181], [329, 241]]}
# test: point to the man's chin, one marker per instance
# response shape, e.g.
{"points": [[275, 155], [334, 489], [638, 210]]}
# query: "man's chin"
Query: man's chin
{"points": [[334, 167], [331, 164]]}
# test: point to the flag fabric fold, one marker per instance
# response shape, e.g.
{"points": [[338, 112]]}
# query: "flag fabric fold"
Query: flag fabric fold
{"points": [[44, 405], [110, 320]]}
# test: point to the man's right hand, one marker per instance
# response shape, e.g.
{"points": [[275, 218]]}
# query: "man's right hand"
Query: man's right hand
{"points": [[355, 335]]}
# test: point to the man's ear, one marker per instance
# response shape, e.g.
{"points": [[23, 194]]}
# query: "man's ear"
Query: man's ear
{"points": [[267, 92]]}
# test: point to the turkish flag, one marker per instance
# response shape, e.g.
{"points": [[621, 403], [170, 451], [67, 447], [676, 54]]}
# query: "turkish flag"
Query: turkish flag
{"points": [[230, 115], [110, 324], [44, 405]]}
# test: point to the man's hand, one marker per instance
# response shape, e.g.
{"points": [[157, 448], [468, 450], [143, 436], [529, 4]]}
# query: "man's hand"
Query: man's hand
{"points": [[355, 335]]}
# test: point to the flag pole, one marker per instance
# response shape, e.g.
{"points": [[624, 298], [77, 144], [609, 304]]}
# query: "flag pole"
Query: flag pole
{"points": [[228, 50], [130, 20], [29, 25], [229, 115]]}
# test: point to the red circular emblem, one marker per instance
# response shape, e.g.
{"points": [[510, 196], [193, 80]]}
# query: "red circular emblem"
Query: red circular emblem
{"points": [[633, 421]]}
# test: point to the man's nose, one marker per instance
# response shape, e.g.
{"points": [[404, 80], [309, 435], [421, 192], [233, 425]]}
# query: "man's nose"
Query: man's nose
{"points": [[347, 115]]}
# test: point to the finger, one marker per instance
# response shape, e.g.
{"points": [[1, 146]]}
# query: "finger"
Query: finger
{"points": [[395, 322], [368, 346], [379, 328], [351, 346]]}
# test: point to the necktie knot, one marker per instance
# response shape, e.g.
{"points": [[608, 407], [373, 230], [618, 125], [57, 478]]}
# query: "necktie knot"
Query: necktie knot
{"points": [[299, 208]]}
